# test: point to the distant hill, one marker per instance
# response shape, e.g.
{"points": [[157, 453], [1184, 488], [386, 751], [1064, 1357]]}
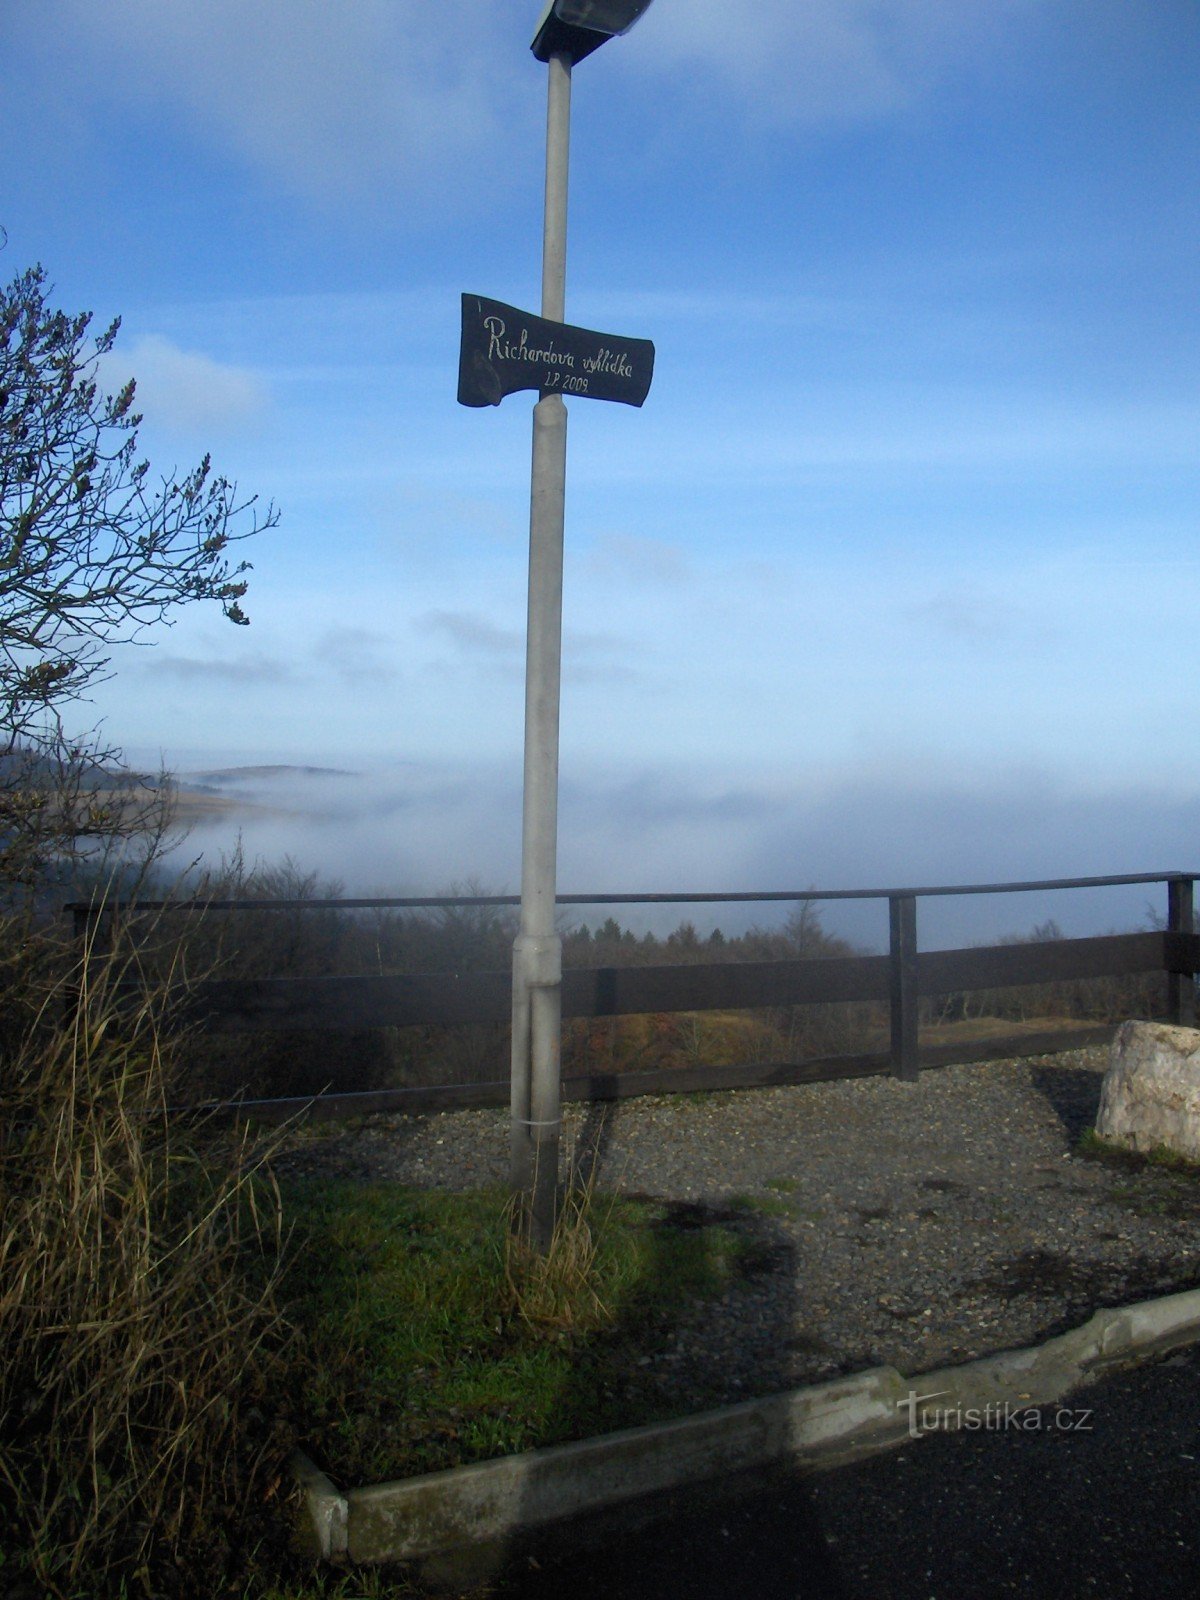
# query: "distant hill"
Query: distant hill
{"points": [[222, 777], [27, 766], [30, 766], [196, 797]]}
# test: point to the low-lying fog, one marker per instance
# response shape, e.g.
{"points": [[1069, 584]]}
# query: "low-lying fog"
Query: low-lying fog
{"points": [[423, 828]]}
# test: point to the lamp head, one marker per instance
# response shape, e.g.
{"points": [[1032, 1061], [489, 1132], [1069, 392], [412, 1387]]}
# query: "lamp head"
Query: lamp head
{"points": [[577, 27]]}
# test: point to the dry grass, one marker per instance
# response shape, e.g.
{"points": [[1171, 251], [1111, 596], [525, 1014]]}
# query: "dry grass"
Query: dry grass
{"points": [[559, 1288], [137, 1268]]}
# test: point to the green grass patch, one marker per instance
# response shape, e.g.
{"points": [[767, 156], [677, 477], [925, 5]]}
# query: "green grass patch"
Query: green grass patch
{"points": [[1094, 1147], [783, 1185], [420, 1348], [1156, 1183]]}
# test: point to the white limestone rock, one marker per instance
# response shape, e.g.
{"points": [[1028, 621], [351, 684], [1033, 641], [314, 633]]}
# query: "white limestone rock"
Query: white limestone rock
{"points": [[1151, 1091]]}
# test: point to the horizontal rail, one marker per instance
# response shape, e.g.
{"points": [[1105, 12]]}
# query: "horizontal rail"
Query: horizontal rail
{"points": [[668, 1080], [233, 1005], [721, 897], [1008, 966]]}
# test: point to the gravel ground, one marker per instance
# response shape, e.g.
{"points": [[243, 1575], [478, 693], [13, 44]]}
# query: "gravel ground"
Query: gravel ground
{"points": [[890, 1223]]}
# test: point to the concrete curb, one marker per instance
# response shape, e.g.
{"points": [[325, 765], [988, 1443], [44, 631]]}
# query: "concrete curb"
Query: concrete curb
{"points": [[821, 1426], [325, 1521]]}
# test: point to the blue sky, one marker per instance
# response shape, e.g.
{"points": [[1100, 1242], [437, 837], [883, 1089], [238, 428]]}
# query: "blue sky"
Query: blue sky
{"points": [[894, 575]]}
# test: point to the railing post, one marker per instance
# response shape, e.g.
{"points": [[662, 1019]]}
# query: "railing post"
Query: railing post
{"points": [[87, 928], [1181, 986], [83, 920], [905, 996]]}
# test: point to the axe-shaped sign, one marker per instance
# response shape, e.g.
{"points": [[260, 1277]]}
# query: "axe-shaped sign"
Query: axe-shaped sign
{"points": [[504, 350]]}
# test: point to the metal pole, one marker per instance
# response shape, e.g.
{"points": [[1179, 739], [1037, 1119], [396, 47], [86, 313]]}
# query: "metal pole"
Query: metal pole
{"points": [[537, 953]]}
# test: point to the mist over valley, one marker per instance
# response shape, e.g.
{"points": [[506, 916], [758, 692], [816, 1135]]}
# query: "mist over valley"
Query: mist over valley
{"points": [[426, 827]]}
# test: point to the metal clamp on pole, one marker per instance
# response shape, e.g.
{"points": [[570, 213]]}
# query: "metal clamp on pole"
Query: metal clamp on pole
{"points": [[538, 960]]}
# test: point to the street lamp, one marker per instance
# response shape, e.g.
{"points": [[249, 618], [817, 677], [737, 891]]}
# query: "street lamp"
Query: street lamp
{"points": [[577, 27], [567, 31]]}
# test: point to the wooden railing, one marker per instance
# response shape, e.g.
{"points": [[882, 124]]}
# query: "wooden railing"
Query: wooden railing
{"points": [[902, 978]]}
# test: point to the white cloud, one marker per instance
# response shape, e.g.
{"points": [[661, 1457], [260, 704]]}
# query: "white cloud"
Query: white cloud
{"points": [[639, 560], [237, 671], [976, 617], [358, 657], [337, 101], [391, 104], [185, 390], [474, 634], [822, 60]]}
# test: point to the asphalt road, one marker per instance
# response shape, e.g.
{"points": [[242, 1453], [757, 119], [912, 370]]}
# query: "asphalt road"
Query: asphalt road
{"points": [[1101, 1500]]}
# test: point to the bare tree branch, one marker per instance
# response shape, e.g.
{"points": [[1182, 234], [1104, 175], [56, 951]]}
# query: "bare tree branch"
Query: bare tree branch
{"points": [[92, 554]]}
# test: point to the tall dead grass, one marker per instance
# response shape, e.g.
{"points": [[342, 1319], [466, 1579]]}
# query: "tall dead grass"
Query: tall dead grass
{"points": [[558, 1289], [139, 1335]]}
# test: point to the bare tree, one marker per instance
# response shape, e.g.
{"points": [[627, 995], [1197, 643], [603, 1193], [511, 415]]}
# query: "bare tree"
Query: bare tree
{"points": [[93, 551]]}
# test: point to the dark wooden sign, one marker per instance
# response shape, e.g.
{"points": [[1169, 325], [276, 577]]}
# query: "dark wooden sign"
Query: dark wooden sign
{"points": [[504, 350]]}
